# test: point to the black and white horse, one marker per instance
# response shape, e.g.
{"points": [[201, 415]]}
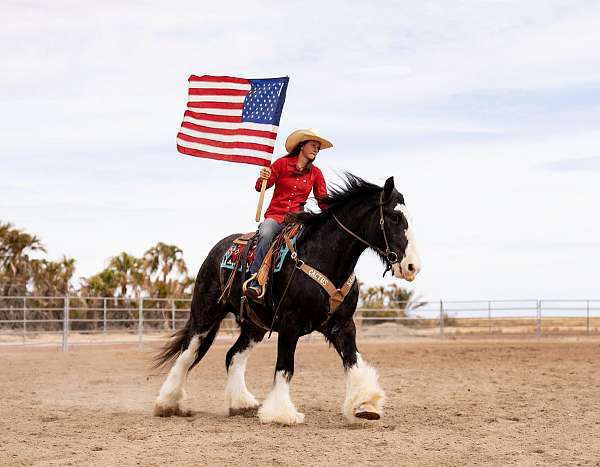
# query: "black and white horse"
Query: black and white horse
{"points": [[359, 215]]}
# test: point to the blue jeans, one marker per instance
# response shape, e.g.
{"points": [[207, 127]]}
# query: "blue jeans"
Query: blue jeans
{"points": [[267, 230]]}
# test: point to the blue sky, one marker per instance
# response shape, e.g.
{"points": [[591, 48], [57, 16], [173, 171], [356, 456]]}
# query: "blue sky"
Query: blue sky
{"points": [[486, 112]]}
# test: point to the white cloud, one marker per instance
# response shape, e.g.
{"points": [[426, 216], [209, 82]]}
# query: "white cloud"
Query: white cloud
{"points": [[570, 165]]}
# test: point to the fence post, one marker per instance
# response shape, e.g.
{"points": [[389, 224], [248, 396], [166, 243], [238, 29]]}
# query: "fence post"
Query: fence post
{"points": [[141, 323], [104, 316], [490, 316], [65, 342], [173, 315], [588, 316], [24, 319], [441, 318], [539, 318]]}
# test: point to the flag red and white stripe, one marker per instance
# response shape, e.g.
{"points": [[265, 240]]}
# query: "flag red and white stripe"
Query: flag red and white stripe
{"points": [[213, 126]]}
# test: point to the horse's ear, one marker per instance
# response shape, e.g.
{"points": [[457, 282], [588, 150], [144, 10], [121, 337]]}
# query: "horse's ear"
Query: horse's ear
{"points": [[388, 188]]}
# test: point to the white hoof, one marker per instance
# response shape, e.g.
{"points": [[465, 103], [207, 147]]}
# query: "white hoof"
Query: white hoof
{"points": [[367, 411], [288, 417], [165, 409], [239, 397], [278, 407], [242, 404], [364, 396], [168, 404]]}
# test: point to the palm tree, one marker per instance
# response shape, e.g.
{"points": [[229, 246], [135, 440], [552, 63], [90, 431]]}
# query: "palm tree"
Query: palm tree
{"points": [[128, 272], [373, 297], [161, 262], [165, 268], [51, 278], [103, 284], [187, 285], [15, 263], [165, 259]]}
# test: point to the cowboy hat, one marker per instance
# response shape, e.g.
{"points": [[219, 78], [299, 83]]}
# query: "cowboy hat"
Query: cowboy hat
{"points": [[310, 134]]}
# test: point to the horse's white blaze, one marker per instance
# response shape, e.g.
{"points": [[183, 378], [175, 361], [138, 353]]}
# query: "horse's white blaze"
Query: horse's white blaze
{"points": [[362, 390], [237, 395], [410, 265], [278, 407], [171, 392]]}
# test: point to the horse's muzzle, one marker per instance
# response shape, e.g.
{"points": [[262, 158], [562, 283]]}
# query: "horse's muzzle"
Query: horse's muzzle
{"points": [[407, 271]]}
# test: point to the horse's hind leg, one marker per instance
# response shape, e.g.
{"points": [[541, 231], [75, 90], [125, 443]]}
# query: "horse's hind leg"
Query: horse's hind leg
{"points": [[168, 402], [364, 396], [190, 344], [239, 400], [171, 392]]}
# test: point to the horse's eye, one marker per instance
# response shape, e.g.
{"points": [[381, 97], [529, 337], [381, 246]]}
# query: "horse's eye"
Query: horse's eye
{"points": [[395, 218]]}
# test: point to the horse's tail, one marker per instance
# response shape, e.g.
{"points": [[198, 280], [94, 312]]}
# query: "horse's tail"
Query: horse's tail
{"points": [[206, 342], [180, 340]]}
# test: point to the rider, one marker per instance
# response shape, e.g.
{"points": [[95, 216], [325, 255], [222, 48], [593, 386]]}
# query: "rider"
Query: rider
{"points": [[294, 176]]}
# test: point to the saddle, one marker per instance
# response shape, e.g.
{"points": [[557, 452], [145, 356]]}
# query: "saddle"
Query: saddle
{"points": [[274, 257], [245, 245]]}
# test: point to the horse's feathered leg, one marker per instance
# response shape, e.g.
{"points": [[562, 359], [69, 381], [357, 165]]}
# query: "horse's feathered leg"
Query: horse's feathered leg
{"points": [[364, 396], [278, 407], [171, 392], [239, 400], [192, 342]]}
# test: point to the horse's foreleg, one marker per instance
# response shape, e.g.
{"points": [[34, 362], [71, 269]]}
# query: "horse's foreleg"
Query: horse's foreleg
{"points": [[239, 400], [364, 396], [278, 407]]}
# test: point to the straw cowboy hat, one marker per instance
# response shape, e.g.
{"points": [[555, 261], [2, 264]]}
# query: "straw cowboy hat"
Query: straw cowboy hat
{"points": [[310, 134]]}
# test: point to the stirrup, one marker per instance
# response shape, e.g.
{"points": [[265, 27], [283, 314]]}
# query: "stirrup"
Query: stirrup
{"points": [[245, 287]]}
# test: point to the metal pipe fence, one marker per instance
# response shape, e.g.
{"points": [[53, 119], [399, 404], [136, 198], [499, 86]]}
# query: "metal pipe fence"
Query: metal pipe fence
{"points": [[66, 321]]}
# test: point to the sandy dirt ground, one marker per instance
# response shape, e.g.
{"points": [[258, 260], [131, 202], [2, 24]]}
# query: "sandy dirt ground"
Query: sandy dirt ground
{"points": [[534, 402]]}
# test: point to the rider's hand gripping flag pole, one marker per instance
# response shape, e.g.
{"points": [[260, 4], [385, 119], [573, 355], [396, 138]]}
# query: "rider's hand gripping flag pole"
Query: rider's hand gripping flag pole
{"points": [[261, 198]]}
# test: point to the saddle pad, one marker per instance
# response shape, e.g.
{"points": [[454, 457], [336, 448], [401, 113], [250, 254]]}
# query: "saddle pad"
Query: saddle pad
{"points": [[233, 253]]}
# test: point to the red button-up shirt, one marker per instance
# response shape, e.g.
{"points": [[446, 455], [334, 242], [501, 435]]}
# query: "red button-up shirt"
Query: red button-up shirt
{"points": [[292, 188]]}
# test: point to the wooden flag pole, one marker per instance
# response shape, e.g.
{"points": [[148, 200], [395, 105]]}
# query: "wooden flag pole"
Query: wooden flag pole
{"points": [[260, 200]]}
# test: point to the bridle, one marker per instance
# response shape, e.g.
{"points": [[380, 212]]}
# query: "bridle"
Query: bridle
{"points": [[390, 257]]}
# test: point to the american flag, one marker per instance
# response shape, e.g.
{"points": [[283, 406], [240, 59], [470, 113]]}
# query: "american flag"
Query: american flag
{"points": [[232, 119]]}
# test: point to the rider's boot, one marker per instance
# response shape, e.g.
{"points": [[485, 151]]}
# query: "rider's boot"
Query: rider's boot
{"points": [[253, 290]]}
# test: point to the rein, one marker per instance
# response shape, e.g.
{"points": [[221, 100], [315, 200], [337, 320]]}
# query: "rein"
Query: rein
{"points": [[391, 257]]}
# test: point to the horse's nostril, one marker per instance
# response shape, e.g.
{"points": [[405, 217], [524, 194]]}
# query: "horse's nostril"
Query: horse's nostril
{"points": [[411, 268]]}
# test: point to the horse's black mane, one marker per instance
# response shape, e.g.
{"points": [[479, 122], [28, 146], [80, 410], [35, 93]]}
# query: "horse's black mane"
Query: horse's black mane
{"points": [[351, 189]]}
